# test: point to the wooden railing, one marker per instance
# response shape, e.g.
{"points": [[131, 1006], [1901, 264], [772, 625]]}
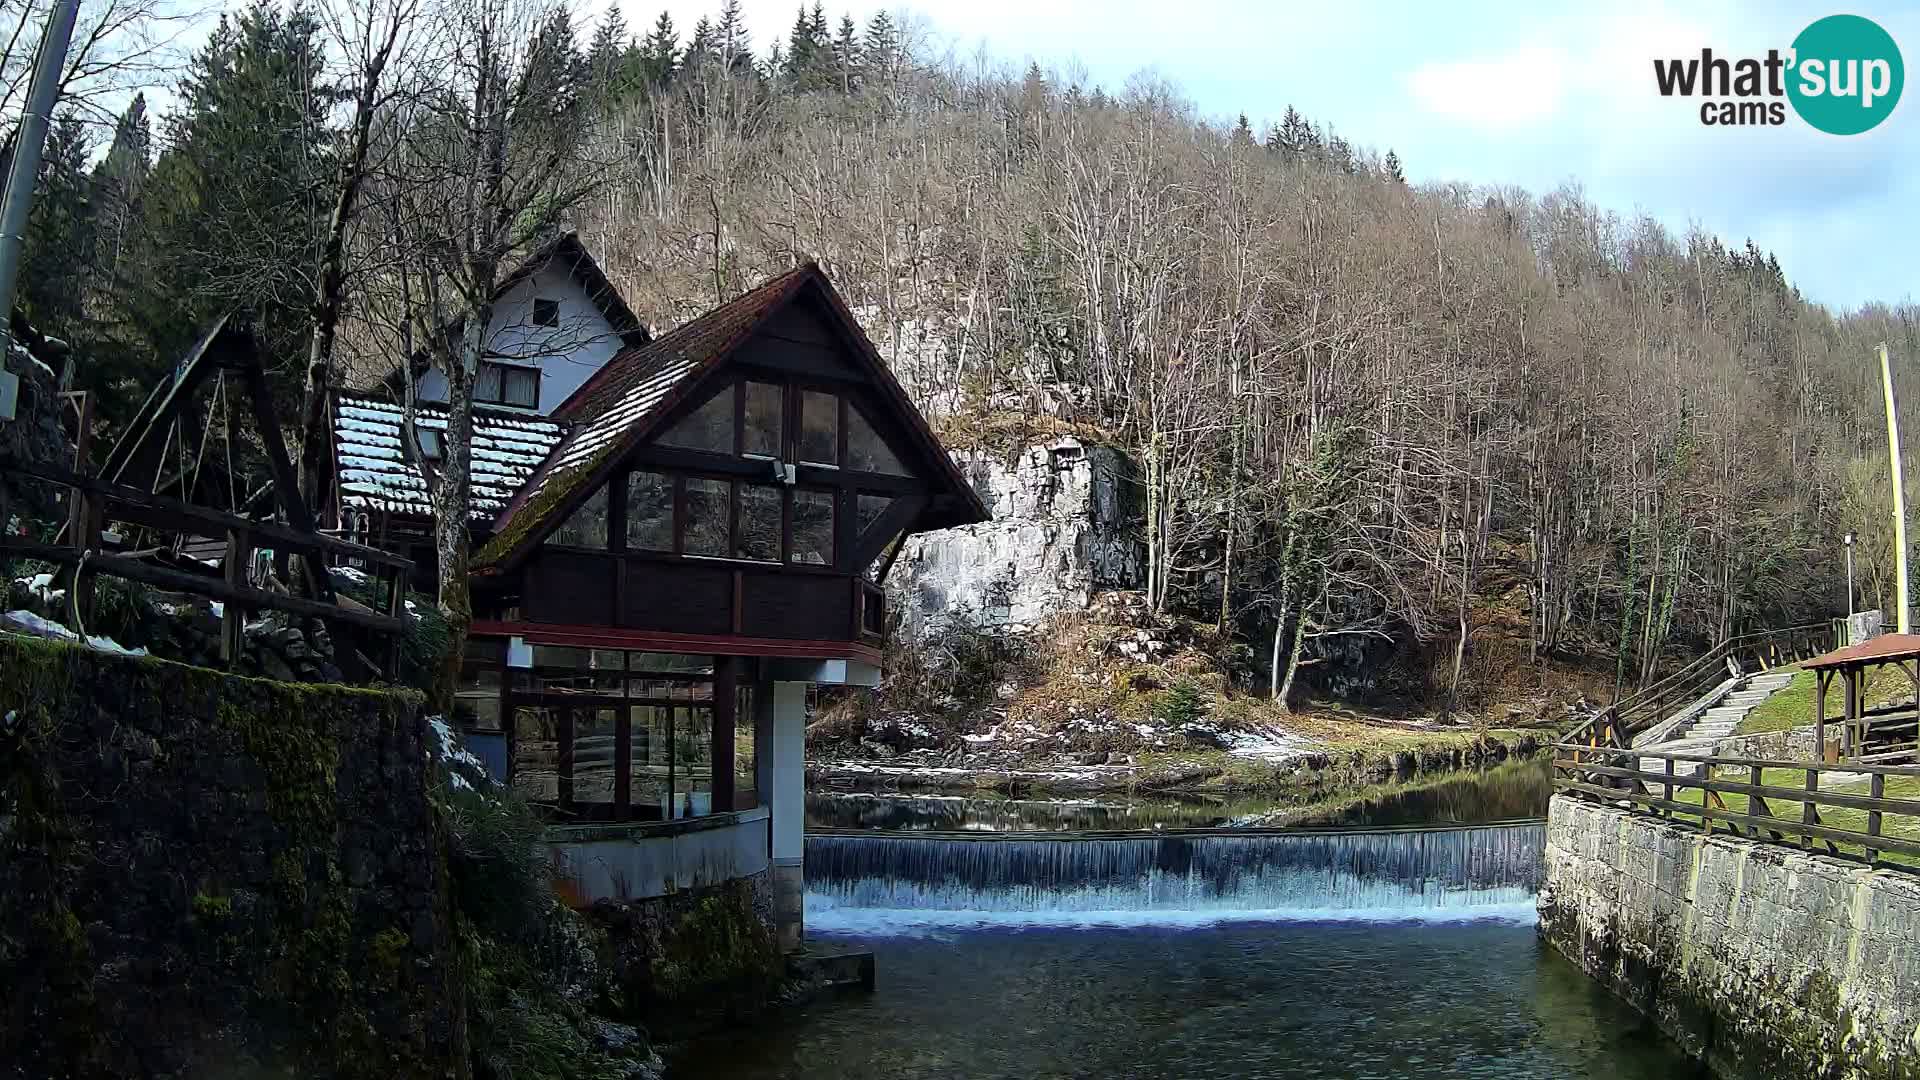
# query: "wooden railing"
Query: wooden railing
{"points": [[1755, 802], [1615, 725], [97, 502]]}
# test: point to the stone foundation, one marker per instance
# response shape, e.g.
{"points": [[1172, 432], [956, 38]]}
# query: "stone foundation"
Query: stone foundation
{"points": [[681, 958], [1764, 960]]}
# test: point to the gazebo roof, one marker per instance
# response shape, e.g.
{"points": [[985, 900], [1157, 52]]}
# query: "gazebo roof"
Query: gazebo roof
{"points": [[1885, 649]]}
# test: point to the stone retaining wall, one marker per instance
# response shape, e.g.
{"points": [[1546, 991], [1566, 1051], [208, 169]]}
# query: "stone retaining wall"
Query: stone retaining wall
{"points": [[1765, 960]]}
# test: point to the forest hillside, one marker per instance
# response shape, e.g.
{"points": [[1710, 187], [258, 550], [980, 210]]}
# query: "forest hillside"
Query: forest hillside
{"points": [[1366, 415]]}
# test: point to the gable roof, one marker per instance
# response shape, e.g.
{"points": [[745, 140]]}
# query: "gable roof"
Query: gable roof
{"points": [[580, 265], [624, 401], [372, 474]]}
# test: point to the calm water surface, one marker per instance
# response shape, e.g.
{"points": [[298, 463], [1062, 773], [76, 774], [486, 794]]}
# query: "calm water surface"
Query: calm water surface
{"points": [[1355, 999]]}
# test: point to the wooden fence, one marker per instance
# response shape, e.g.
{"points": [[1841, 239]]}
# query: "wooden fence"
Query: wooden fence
{"points": [[97, 502], [1751, 797]]}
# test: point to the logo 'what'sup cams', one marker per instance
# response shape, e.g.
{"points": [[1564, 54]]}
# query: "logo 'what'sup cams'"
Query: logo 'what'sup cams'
{"points": [[1842, 75]]}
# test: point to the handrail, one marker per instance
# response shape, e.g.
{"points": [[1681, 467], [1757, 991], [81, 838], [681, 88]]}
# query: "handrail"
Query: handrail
{"points": [[1624, 780], [1615, 724]]}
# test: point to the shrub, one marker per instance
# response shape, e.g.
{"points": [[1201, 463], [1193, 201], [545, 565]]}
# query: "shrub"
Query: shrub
{"points": [[1181, 705]]}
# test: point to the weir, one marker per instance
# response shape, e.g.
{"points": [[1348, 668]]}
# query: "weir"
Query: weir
{"points": [[1196, 872]]}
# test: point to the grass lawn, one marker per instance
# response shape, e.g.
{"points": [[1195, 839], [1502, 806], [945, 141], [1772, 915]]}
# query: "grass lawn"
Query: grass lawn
{"points": [[1793, 706]]}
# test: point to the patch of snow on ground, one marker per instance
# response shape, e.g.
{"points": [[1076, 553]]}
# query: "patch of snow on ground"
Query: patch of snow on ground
{"points": [[30, 623], [1266, 745], [452, 751], [357, 576]]}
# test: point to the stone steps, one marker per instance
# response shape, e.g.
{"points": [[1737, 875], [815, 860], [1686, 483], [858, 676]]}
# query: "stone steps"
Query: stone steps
{"points": [[1718, 721]]}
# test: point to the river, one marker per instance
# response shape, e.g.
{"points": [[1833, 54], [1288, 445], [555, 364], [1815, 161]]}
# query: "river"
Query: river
{"points": [[1325, 952]]}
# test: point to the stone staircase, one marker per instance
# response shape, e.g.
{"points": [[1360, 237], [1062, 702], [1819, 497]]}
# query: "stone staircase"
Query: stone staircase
{"points": [[1717, 721]]}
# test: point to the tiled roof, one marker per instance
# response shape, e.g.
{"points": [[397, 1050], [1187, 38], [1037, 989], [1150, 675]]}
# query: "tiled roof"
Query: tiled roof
{"points": [[613, 408], [373, 475], [1886, 648]]}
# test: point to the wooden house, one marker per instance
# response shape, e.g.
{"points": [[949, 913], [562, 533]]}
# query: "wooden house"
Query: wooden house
{"points": [[699, 528]]}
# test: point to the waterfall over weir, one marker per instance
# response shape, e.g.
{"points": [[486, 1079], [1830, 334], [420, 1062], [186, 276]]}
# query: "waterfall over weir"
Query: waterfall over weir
{"points": [[877, 881]]}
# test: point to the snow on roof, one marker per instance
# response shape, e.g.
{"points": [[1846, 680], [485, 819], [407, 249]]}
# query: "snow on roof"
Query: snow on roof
{"points": [[373, 475]]}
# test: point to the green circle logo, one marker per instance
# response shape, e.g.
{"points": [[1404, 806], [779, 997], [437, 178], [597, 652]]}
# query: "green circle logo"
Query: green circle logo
{"points": [[1846, 76]]}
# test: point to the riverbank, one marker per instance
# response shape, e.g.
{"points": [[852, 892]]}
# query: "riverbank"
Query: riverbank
{"points": [[1334, 757]]}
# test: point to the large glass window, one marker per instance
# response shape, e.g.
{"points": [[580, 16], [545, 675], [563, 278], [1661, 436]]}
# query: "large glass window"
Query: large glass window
{"points": [[866, 450], [506, 384], [759, 532], [708, 514], [819, 428], [761, 436], [692, 761], [868, 509], [476, 704], [586, 526], [813, 528], [710, 427], [594, 732], [649, 511], [652, 790], [536, 752]]}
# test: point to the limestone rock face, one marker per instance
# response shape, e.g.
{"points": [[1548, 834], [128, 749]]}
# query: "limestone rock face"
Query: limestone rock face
{"points": [[1065, 527]]}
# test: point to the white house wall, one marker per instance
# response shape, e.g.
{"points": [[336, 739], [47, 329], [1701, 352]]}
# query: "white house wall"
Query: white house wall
{"points": [[567, 354]]}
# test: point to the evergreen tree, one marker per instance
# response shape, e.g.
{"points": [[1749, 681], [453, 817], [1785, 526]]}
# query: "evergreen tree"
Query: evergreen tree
{"points": [[55, 258], [730, 38], [1243, 132], [1274, 143], [881, 47], [703, 47], [117, 185], [608, 56], [227, 213], [1295, 133], [846, 55], [1391, 166], [660, 52], [808, 61]]}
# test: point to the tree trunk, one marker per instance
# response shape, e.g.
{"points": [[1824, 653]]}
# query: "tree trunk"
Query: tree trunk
{"points": [[452, 500]]}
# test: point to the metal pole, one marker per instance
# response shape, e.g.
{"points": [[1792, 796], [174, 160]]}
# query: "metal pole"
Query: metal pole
{"points": [[1899, 496], [32, 137], [1849, 576]]}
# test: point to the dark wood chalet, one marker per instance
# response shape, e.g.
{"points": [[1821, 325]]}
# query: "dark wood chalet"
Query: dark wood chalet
{"points": [[710, 512]]}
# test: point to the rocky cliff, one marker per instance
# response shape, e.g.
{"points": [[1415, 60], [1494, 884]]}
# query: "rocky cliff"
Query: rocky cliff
{"points": [[1065, 526]]}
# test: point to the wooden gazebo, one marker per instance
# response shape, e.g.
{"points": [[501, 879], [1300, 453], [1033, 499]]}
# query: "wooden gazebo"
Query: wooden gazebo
{"points": [[1884, 735]]}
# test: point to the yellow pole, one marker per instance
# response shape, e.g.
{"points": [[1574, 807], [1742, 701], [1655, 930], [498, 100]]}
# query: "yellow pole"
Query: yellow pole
{"points": [[1899, 495]]}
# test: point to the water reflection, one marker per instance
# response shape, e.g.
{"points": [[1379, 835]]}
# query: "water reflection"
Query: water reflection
{"points": [[1518, 789]]}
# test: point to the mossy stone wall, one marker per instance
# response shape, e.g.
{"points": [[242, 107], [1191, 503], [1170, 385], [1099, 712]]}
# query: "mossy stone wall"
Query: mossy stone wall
{"points": [[203, 875]]}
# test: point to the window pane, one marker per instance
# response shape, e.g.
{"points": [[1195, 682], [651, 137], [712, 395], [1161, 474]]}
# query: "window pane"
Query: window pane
{"points": [[819, 428], [870, 507], [746, 795], [649, 511], [652, 740], [587, 526], [707, 513], [670, 662], [709, 428], [813, 528], [476, 705], [546, 312], [759, 523], [486, 384], [866, 450], [522, 387], [593, 775], [692, 761], [762, 435], [536, 753], [560, 657]]}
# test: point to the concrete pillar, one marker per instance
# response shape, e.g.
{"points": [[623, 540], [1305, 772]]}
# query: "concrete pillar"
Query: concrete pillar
{"points": [[786, 797]]}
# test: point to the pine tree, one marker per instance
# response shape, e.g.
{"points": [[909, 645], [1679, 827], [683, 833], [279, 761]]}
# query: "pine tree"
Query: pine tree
{"points": [[730, 38], [1295, 132], [1243, 132], [1391, 166], [1273, 143], [882, 45], [116, 189], [227, 213], [55, 252], [607, 56], [846, 55], [660, 52]]}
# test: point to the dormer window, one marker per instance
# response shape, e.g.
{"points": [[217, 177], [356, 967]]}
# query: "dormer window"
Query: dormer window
{"points": [[506, 384], [546, 312], [433, 445]]}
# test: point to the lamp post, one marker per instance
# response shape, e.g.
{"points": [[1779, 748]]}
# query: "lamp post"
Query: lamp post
{"points": [[1849, 542]]}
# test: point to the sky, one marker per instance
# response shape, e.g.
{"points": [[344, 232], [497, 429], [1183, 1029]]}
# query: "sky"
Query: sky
{"points": [[1525, 94]]}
